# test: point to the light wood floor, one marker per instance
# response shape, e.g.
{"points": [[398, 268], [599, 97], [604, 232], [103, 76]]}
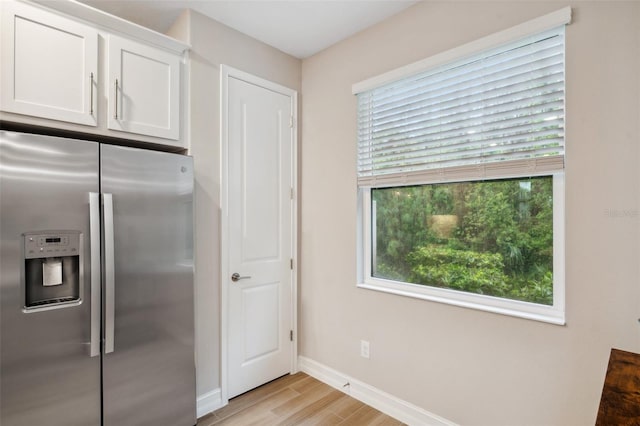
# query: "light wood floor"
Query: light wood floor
{"points": [[295, 400]]}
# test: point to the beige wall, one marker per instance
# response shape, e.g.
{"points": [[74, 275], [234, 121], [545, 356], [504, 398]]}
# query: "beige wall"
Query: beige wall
{"points": [[469, 366], [213, 44]]}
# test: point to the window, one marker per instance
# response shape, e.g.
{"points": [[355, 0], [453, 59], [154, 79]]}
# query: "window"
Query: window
{"points": [[461, 175]]}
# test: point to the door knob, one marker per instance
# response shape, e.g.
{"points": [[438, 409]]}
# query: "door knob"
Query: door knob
{"points": [[236, 277]]}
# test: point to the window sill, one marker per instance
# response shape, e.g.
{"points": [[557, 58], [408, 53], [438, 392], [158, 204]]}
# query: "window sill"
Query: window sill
{"points": [[513, 308]]}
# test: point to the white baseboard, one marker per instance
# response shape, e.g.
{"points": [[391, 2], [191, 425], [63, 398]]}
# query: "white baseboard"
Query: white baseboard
{"points": [[382, 401], [209, 402]]}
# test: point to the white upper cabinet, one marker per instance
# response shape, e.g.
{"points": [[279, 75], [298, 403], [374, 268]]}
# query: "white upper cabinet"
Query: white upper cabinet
{"points": [[144, 89], [71, 67], [49, 65]]}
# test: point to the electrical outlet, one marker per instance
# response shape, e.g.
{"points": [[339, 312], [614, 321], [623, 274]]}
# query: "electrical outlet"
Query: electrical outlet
{"points": [[364, 349]]}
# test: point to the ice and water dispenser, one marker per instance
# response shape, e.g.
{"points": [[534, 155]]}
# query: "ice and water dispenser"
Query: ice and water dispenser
{"points": [[52, 269]]}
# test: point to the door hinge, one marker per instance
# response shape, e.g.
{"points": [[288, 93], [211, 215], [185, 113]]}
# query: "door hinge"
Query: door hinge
{"points": [[291, 193], [291, 335], [291, 121], [291, 263]]}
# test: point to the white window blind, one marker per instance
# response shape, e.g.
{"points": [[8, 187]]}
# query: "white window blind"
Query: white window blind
{"points": [[498, 113]]}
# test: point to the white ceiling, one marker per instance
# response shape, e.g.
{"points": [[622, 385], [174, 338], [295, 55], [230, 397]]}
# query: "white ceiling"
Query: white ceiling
{"points": [[300, 28]]}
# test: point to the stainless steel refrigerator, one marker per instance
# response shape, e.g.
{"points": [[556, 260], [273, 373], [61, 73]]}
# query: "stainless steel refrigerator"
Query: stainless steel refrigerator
{"points": [[96, 284]]}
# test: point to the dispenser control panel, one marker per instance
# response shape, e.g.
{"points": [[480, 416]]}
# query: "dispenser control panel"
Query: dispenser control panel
{"points": [[54, 244]]}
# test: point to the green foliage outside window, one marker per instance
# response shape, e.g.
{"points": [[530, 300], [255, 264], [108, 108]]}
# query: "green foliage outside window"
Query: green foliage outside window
{"points": [[492, 237]]}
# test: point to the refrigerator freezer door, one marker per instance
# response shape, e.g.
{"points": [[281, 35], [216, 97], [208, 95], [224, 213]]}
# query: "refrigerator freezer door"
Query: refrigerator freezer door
{"points": [[47, 376], [149, 371]]}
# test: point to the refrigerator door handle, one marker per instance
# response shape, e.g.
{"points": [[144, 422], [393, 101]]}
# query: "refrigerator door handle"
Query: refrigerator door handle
{"points": [[109, 275], [94, 232]]}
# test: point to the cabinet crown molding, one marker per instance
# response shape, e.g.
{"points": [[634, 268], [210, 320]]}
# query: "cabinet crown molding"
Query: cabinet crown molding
{"points": [[112, 23]]}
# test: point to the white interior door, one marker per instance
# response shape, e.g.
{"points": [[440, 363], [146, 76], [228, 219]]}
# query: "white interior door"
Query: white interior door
{"points": [[260, 226]]}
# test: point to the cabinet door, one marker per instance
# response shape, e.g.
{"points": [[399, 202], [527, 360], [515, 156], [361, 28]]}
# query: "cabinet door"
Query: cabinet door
{"points": [[49, 65], [144, 89]]}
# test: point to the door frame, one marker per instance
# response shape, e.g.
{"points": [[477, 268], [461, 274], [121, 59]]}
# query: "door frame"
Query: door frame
{"points": [[227, 72]]}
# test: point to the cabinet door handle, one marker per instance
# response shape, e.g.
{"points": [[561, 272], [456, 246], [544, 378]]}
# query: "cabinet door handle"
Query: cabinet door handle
{"points": [[91, 96], [116, 100]]}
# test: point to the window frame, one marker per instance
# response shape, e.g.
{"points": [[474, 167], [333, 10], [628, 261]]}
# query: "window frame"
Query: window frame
{"points": [[553, 314]]}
